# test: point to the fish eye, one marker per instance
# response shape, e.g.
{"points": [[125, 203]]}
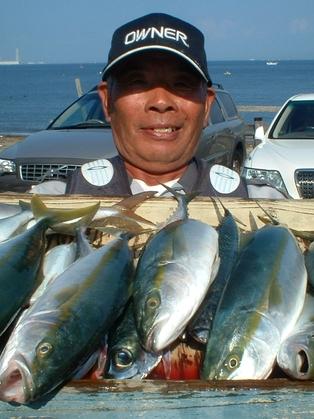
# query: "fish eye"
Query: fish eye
{"points": [[123, 359], [44, 349], [152, 302], [233, 362]]}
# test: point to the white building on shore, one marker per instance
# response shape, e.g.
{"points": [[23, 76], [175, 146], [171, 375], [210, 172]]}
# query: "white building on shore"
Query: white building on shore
{"points": [[12, 62]]}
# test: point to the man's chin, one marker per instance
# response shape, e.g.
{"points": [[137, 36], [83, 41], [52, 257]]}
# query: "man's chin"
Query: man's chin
{"points": [[158, 168]]}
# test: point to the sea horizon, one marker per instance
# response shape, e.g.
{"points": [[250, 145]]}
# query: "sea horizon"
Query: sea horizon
{"points": [[31, 95]]}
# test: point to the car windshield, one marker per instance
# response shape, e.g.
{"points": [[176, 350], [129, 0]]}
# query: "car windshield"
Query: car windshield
{"points": [[296, 121], [86, 112]]}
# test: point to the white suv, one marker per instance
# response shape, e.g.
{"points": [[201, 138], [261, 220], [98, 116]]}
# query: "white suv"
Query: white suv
{"points": [[284, 159]]}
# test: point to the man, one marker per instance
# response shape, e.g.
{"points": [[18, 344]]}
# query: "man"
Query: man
{"points": [[156, 93]]}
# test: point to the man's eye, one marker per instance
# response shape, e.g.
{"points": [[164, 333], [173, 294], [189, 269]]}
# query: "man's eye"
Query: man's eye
{"points": [[135, 81], [182, 84]]}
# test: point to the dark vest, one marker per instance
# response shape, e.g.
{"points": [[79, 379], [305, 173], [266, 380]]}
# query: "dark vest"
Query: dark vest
{"points": [[195, 179]]}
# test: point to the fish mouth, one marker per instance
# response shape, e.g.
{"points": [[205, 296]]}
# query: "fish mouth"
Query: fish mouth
{"points": [[155, 341], [303, 363], [16, 384]]}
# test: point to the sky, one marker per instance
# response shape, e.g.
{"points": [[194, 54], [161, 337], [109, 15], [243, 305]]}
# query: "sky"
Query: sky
{"points": [[79, 31]]}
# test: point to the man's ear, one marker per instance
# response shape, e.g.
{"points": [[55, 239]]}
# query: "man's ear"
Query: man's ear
{"points": [[210, 97], [103, 93]]}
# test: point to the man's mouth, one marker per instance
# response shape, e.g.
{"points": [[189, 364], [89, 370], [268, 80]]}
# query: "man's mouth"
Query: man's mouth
{"points": [[165, 130]]}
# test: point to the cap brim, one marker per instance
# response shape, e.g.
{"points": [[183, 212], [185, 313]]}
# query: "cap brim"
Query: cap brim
{"points": [[113, 63]]}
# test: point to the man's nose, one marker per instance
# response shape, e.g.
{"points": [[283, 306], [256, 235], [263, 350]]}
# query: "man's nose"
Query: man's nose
{"points": [[160, 100]]}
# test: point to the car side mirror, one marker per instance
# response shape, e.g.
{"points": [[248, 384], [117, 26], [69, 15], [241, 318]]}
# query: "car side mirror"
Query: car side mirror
{"points": [[259, 135]]}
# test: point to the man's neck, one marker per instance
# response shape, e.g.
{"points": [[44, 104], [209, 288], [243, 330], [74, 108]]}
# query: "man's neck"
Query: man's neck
{"points": [[154, 178]]}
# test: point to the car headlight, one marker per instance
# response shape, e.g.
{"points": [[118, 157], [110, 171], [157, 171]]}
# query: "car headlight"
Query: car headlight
{"points": [[265, 177], [7, 166]]}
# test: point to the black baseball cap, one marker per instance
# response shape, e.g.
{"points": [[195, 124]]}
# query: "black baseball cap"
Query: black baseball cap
{"points": [[158, 31]]}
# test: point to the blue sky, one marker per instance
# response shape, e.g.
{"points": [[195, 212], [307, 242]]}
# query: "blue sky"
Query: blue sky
{"points": [[61, 31]]}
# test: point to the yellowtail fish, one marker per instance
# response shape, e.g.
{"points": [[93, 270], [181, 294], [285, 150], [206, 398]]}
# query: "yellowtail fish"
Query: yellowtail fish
{"points": [[260, 306], [65, 326], [172, 277]]}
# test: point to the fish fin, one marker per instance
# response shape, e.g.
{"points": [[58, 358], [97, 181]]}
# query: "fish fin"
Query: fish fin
{"points": [[166, 363], [136, 217], [83, 247], [253, 224], [132, 202], [181, 212], [228, 212], [245, 238], [272, 219]]}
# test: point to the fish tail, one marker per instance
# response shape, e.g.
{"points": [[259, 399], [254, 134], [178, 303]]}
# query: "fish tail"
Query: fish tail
{"points": [[181, 212], [55, 216], [25, 206], [272, 219]]}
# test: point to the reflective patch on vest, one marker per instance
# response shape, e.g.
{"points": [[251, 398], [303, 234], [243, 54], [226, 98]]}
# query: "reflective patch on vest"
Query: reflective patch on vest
{"points": [[223, 179], [98, 172]]}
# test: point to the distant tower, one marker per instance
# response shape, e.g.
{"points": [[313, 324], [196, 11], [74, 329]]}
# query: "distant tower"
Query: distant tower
{"points": [[17, 55]]}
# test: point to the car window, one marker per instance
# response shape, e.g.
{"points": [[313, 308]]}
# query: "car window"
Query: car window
{"points": [[87, 108], [296, 121], [228, 104], [216, 115]]}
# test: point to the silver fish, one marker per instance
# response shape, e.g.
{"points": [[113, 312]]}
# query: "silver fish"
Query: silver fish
{"points": [[261, 304], [64, 327], [56, 260], [296, 354], [172, 277]]}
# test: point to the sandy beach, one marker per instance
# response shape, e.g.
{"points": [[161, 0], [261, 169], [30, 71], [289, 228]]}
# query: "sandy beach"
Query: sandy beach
{"points": [[7, 140]]}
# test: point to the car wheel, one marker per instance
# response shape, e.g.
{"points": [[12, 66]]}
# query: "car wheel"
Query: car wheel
{"points": [[237, 160]]}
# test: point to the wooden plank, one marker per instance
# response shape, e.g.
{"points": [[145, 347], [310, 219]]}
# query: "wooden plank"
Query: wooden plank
{"points": [[295, 213], [153, 399]]}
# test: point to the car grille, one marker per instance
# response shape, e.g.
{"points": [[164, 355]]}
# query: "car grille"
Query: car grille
{"points": [[41, 172], [305, 183]]}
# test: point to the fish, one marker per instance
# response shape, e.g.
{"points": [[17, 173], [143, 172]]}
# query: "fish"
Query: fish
{"points": [[127, 358], [65, 326], [309, 263], [7, 210], [55, 261], [260, 306], [15, 223], [296, 353], [172, 277], [229, 239], [20, 261]]}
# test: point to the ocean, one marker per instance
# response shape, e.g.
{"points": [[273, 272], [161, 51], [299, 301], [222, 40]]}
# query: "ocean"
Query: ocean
{"points": [[31, 95]]}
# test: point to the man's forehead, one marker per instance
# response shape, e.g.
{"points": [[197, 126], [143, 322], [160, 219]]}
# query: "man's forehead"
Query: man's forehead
{"points": [[148, 61]]}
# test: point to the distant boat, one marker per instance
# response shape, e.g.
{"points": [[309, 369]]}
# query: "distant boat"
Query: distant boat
{"points": [[227, 73], [271, 62]]}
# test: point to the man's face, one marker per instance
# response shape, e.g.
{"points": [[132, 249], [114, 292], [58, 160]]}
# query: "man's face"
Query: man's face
{"points": [[157, 106]]}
